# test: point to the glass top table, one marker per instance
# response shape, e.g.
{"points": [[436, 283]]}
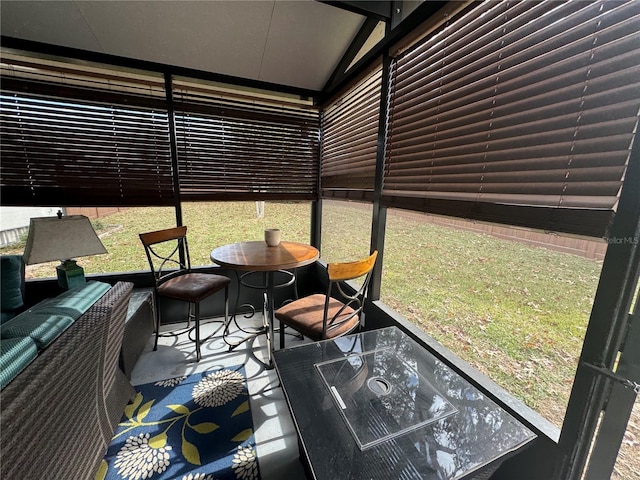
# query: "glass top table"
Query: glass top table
{"points": [[377, 405]]}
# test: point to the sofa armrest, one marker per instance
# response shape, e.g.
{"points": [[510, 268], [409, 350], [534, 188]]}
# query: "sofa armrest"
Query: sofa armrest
{"points": [[55, 419], [117, 390]]}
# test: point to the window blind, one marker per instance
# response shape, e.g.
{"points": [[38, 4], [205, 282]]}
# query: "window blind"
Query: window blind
{"points": [[350, 140], [520, 113], [70, 138], [233, 148]]}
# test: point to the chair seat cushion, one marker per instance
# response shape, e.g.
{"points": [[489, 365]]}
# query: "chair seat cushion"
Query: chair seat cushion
{"points": [[193, 287], [306, 316]]}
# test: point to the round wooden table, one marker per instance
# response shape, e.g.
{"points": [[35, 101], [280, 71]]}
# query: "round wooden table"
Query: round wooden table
{"points": [[257, 256]]}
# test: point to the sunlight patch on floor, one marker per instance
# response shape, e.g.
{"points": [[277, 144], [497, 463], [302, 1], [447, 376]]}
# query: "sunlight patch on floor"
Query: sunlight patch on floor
{"points": [[276, 441]]}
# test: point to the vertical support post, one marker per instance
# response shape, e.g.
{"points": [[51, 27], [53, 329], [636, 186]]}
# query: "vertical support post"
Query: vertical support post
{"points": [[173, 145], [316, 223], [619, 406], [379, 216], [607, 325], [397, 13], [316, 205]]}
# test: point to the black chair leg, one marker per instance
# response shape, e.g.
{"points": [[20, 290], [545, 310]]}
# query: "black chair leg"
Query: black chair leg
{"points": [[281, 334], [197, 321], [226, 308], [157, 320]]}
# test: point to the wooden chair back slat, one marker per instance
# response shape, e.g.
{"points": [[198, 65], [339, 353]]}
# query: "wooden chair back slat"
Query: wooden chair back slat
{"points": [[151, 238], [163, 249], [349, 270]]}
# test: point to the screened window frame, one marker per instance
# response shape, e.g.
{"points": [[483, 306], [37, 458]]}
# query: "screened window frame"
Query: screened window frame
{"points": [[410, 179], [58, 130], [235, 147], [350, 139]]}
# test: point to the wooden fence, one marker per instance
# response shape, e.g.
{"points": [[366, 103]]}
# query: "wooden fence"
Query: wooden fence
{"points": [[94, 212], [594, 249]]}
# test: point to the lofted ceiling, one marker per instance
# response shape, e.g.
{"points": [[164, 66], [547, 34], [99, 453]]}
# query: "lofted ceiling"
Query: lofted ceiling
{"points": [[294, 43]]}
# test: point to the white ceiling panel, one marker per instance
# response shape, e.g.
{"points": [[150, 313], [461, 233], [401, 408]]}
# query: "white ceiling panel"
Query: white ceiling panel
{"points": [[58, 23], [223, 37], [306, 40], [295, 43]]}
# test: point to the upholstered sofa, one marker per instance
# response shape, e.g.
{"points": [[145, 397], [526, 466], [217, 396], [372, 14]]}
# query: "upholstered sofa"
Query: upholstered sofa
{"points": [[12, 285], [59, 410]]}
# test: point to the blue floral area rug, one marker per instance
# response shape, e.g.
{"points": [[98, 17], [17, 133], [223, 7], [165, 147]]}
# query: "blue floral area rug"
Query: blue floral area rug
{"points": [[197, 427]]}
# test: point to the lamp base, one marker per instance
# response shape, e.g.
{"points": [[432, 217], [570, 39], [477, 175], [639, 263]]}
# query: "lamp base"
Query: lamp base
{"points": [[70, 274]]}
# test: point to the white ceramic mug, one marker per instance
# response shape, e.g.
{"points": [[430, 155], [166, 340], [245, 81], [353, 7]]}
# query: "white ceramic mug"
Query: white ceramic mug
{"points": [[272, 237]]}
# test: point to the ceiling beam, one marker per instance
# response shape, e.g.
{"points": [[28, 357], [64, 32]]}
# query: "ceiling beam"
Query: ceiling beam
{"points": [[419, 15], [380, 10], [340, 72]]}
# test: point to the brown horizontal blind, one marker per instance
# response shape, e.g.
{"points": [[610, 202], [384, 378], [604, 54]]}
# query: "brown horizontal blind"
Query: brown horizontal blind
{"points": [[520, 113], [242, 149], [350, 139], [75, 139]]}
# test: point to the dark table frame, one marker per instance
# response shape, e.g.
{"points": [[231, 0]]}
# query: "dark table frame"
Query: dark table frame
{"points": [[256, 256]]}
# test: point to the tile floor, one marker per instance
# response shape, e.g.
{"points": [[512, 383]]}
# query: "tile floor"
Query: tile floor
{"points": [[275, 436]]}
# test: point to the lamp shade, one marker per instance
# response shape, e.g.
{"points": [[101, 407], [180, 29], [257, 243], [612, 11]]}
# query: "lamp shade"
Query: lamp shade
{"points": [[53, 238]]}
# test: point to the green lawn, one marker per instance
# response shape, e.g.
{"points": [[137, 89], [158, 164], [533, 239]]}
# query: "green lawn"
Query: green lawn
{"points": [[517, 313]]}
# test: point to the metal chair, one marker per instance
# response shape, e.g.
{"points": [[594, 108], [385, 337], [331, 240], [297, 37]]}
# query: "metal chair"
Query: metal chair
{"points": [[336, 313], [168, 255]]}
